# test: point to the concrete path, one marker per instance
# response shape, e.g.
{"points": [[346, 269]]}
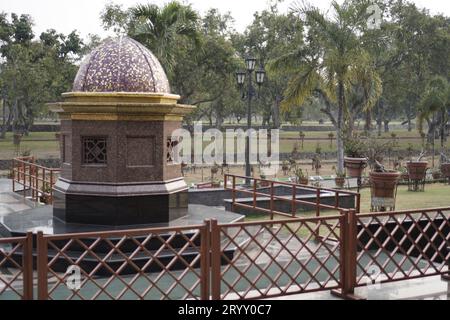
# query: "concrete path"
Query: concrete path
{"points": [[11, 202], [431, 288]]}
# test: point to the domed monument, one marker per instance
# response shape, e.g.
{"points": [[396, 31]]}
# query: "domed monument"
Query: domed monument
{"points": [[117, 170], [116, 135]]}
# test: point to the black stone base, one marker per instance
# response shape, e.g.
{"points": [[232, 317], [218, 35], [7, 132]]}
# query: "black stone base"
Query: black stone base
{"points": [[119, 211], [42, 219], [162, 259]]}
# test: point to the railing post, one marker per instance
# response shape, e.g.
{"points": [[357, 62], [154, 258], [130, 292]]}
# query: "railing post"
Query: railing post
{"points": [[348, 255], [294, 201], [51, 186], [336, 199], [352, 251], [358, 203], [14, 175], [254, 192], [44, 180], [233, 194], [318, 203], [215, 260], [22, 176], [205, 260], [30, 182], [272, 204], [42, 266], [343, 224], [27, 267]]}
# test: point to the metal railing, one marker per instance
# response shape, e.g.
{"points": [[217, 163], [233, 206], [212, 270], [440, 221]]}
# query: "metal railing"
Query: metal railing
{"points": [[402, 245], [247, 260], [32, 179], [257, 193], [275, 258], [135, 264], [17, 282]]}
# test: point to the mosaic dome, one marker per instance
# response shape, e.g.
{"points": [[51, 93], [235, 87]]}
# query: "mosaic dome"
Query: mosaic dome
{"points": [[121, 65]]}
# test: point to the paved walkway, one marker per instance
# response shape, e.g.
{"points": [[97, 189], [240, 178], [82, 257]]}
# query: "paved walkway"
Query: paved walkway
{"points": [[11, 202], [431, 288]]}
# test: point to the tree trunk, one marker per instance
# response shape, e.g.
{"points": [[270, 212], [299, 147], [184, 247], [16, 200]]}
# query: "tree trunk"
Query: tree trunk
{"points": [[351, 125], [339, 131], [210, 118], [219, 121], [368, 124], [409, 118], [386, 125], [3, 132], [15, 121], [379, 117], [442, 134], [431, 132], [276, 113]]}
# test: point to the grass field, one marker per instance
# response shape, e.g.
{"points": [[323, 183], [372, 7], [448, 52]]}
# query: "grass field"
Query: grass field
{"points": [[44, 144], [39, 144]]}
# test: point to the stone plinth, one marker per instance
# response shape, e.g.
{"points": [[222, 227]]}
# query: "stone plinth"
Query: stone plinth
{"points": [[117, 167]]}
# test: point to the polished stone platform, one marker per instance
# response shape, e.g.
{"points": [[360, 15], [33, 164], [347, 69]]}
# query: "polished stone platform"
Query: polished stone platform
{"points": [[41, 219]]}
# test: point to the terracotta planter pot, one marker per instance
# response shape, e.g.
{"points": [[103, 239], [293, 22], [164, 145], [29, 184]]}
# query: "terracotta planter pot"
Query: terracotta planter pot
{"points": [[355, 166], [445, 169], [417, 170], [303, 181], [45, 199], [264, 183], [340, 181], [384, 184], [405, 176], [437, 175]]}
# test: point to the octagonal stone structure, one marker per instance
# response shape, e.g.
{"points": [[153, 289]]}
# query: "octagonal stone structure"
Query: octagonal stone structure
{"points": [[116, 129]]}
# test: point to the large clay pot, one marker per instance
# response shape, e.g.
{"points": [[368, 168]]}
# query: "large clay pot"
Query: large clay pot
{"points": [[445, 169], [303, 181], [355, 166], [340, 181], [417, 170], [384, 184]]}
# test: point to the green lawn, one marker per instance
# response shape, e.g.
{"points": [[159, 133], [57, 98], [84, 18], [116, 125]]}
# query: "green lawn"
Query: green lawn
{"points": [[44, 144], [435, 196], [40, 144]]}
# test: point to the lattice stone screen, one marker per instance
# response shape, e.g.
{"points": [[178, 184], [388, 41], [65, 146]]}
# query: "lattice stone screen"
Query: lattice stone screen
{"points": [[94, 150]]}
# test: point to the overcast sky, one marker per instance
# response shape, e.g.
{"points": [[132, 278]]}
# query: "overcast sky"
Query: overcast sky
{"points": [[83, 15]]}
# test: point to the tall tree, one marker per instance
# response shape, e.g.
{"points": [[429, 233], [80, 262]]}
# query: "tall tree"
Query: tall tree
{"points": [[434, 107], [33, 72], [158, 28], [329, 64], [270, 35]]}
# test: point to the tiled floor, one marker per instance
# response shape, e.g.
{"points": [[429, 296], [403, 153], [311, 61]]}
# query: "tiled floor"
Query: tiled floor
{"points": [[11, 202]]}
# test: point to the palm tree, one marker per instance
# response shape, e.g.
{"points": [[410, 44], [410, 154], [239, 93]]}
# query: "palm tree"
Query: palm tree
{"points": [[434, 107], [331, 66], [159, 28]]}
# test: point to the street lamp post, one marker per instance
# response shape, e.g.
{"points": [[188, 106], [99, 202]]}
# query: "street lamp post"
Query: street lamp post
{"points": [[250, 63]]}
